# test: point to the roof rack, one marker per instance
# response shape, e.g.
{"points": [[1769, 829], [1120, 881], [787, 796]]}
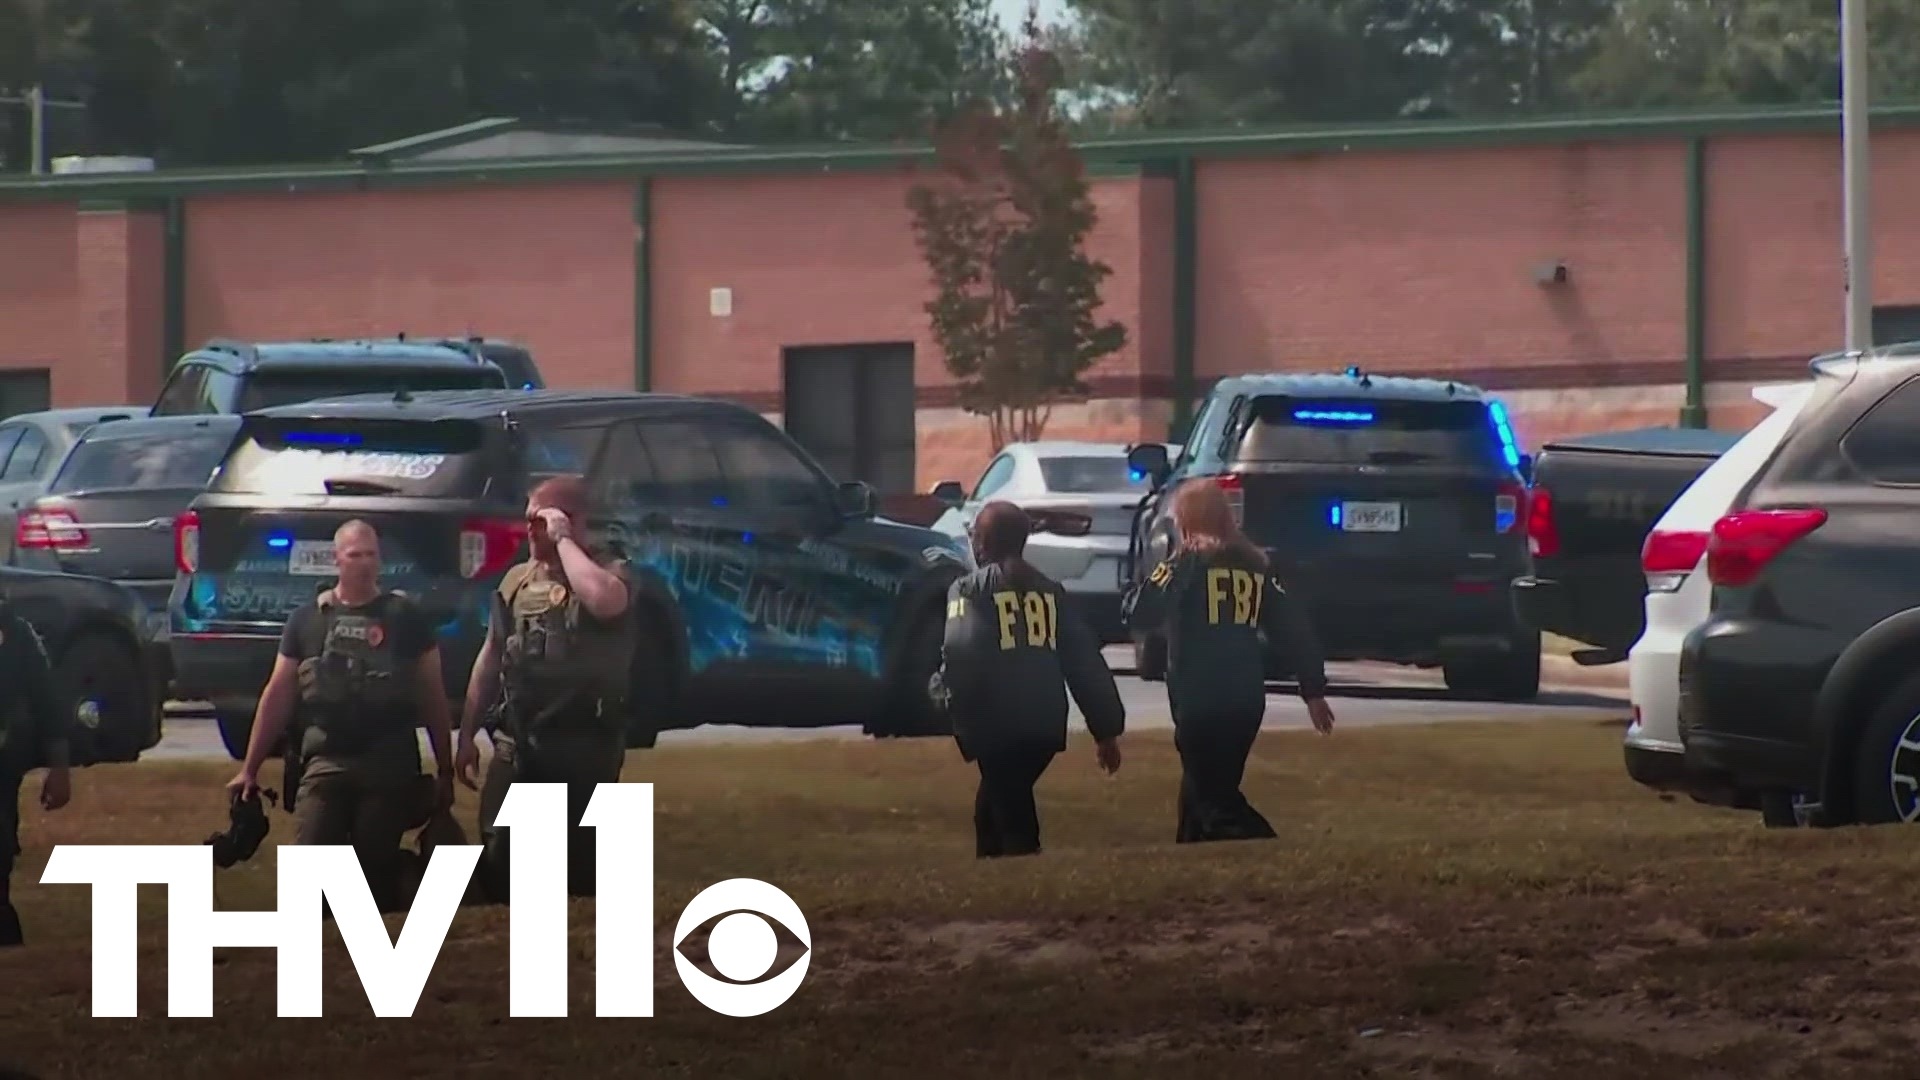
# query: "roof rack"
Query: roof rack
{"points": [[241, 349]]}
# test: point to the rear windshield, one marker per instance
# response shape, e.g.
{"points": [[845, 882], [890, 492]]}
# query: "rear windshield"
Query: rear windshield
{"points": [[266, 389], [176, 461], [425, 458], [1090, 474], [1335, 432]]}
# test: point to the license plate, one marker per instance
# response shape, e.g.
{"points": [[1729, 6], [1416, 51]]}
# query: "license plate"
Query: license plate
{"points": [[313, 558], [1373, 517]]}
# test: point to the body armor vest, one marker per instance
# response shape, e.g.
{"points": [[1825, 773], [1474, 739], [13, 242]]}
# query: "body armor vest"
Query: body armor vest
{"points": [[557, 654], [353, 690]]}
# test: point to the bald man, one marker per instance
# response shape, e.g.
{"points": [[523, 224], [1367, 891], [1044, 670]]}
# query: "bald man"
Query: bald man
{"points": [[360, 667]]}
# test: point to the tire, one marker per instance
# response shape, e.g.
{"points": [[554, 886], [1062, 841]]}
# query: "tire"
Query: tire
{"points": [[1880, 795], [114, 711], [1513, 675], [1150, 658], [1779, 810], [909, 711]]}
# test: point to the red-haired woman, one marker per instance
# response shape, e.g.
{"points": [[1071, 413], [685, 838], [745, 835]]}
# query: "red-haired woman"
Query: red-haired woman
{"points": [[1212, 597]]}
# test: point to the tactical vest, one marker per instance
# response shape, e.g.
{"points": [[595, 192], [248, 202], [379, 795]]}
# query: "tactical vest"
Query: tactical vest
{"points": [[557, 655], [353, 692]]}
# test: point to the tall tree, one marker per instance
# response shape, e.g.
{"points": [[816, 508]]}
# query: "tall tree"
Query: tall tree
{"points": [[1003, 227]]}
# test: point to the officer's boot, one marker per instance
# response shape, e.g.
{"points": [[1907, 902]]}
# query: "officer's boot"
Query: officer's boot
{"points": [[10, 933]]}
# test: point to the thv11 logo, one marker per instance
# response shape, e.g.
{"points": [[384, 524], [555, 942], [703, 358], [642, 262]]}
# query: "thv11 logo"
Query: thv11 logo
{"points": [[742, 945]]}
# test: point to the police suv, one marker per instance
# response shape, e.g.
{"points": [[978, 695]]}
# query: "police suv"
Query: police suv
{"points": [[1392, 508], [769, 594]]}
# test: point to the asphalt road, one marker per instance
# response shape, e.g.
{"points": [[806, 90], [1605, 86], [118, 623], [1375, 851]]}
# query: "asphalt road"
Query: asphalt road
{"points": [[1363, 695]]}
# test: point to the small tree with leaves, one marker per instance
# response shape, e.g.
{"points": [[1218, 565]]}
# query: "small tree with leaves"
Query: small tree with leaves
{"points": [[1002, 227]]}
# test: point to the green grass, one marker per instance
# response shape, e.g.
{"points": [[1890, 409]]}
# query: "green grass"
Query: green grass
{"points": [[1455, 900]]}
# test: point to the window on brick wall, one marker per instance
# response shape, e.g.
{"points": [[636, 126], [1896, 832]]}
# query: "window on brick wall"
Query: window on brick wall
{"points": [[852, 408], [25, 390], [1893, 323]]}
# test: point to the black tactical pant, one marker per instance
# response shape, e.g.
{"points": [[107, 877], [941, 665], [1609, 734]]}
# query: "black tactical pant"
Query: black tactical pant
{"points": [[369, 808], [1213, 762], [582, 762], [1005, 819], [10, 931]]}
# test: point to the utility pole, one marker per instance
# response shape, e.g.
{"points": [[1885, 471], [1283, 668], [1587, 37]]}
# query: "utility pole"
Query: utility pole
{"points": [[1857, 197]]}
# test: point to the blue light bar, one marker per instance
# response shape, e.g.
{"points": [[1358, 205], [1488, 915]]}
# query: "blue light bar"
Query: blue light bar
{"points": [[1333, 416], [324, 438], [1333, 515], [279, 541], [1509, 449]]}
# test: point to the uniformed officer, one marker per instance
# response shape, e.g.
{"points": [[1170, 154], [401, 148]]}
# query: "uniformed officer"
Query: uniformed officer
{"points": [[1214, 596], [33, 734], [358, 667], [558, 655], [1010, 656]]}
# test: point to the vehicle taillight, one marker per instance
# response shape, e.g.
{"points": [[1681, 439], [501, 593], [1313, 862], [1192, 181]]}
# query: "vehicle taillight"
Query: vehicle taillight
{"points": [[1745, 541], [488, 545], [186, 542], [1236, 495], [1509, 505], [54, 530], [1668, 557], [1543, 539]]}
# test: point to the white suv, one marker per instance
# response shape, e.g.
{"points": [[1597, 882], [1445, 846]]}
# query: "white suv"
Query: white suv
{"points": [[1679, 594]]}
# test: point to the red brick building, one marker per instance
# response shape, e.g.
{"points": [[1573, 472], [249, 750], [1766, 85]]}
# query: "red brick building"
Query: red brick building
{"points": [[1695, 250]]}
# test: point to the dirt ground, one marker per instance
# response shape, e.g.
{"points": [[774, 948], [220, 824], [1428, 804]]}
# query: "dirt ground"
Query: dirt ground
{"points": [[1457, 901]]}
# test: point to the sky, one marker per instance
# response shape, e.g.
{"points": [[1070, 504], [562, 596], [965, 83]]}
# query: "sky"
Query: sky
{"points": [[1014, 12]]}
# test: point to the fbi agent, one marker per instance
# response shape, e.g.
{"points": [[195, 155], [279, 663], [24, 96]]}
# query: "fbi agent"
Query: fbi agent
{"points": [[1215, 595], [1009, 658], [559, 659], [33, 733], [357, 668]]}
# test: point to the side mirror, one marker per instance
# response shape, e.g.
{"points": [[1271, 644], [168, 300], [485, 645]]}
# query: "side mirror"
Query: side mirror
{"points": [[855, 498], [950, 492], [1149, 461]]}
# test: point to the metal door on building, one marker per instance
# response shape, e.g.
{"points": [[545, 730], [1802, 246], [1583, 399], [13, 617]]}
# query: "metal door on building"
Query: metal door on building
{"points": [[25, 390], [851, 407]]}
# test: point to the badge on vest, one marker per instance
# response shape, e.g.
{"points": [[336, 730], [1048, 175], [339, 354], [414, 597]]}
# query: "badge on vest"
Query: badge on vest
{"points": [[375, 635], [556, 594]]}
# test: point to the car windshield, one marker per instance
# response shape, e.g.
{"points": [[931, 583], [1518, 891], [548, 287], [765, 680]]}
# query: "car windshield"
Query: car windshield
{"points": [[172, 461], [1087, 475], [265, 389], [1342, 432], [415, 458]]}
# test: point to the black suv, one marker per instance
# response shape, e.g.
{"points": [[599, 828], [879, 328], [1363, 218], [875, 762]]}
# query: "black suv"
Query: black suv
{"points": [[1800, 695], [239, 377], [1393, 507], [769, 594]]}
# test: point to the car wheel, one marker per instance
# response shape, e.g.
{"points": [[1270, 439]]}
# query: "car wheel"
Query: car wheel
{"points": [[1150, 658], [909, 711], [1886, 776], [1513, 675], [113, 708]]}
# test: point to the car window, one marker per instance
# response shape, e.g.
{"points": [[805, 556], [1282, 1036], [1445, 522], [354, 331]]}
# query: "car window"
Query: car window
{"points": [[182, 394], [266, 389], [1280, 428], [1885, 443], [998, 472], [1195, 430], [624, 477], [1086, 475], [558, 450], [216, 391], [423, 458], [27, 459], [686, 469], [183, 460], [762, 471], [8, 437]]}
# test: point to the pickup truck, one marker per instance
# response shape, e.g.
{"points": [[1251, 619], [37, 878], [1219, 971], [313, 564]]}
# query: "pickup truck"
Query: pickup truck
{"points": [[1592, 501]]}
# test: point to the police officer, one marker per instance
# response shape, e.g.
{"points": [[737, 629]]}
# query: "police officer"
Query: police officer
{"points": [[1214, 596], [558, 655], [33, 733], [357, 667], [1009, 659]]}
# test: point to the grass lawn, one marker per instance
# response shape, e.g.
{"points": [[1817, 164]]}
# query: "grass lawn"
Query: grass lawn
{"points": [[1453, 901]]}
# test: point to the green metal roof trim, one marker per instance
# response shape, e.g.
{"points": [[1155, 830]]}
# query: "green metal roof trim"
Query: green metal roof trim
{"points": [[1104, 156], [434, 140]]}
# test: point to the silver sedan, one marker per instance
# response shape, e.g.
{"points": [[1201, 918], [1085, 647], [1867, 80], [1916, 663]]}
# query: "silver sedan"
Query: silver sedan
{"points": [[1089, 480]]}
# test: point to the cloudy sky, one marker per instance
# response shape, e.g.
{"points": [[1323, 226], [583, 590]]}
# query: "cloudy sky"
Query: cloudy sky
{"points": [[1013, 12]]}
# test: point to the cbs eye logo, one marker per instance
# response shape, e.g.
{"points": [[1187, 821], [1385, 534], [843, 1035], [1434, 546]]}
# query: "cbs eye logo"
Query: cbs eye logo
{"points": [[743, 946]]}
